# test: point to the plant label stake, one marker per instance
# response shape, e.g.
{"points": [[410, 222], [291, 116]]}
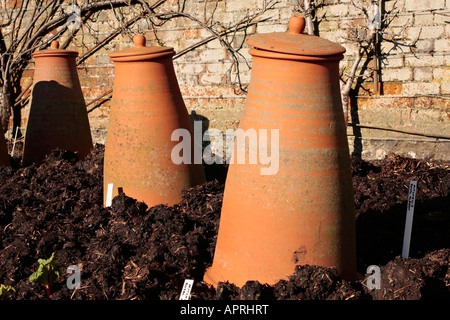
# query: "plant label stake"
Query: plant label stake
{"points": [[109, 193], [14, 144], [409, 218], [186, 290]]}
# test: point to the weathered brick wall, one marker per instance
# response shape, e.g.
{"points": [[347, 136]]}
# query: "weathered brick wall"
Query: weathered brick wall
{"points": [[414, 77]]}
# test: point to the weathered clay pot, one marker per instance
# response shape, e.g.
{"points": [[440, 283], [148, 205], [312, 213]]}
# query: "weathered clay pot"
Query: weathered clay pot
{"points": [[58, 116], [304, 213], [146, 108]]}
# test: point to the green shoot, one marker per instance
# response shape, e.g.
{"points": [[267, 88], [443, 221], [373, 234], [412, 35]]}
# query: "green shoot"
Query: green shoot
{"points": [[47, 273], [5, 291]]}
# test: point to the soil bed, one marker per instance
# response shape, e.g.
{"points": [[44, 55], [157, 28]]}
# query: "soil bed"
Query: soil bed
{"points": [[130, 251]]}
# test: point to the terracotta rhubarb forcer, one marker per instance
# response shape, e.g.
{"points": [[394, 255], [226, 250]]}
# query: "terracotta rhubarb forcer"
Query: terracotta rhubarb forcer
{"points": [[58, 117], [146, 108], [304, 213]]}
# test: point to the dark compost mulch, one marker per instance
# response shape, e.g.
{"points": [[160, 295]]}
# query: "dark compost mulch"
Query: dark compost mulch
{"points": [[130, 251]]}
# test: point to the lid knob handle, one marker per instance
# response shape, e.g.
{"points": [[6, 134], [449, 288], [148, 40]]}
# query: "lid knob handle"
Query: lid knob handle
{"points": [[296, 25], [139, 41], [55, 44]]}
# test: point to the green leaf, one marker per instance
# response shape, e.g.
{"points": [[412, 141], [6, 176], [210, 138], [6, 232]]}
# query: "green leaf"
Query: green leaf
{"points": [[47, 272], [6, 291]]}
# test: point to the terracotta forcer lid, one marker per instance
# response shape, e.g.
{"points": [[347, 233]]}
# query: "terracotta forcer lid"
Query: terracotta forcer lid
{"points": [[54, 51], [295, 41], [140, 52]]}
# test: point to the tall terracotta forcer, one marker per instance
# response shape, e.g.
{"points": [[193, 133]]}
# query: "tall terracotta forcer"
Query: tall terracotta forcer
{"points": [[303, 214], [58, 117], [146, 108]]}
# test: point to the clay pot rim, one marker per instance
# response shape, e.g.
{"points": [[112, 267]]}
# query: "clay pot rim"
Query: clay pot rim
{"points": [[54, 51], [287, 56], [141, 52], [144, 56], [295, 42]]}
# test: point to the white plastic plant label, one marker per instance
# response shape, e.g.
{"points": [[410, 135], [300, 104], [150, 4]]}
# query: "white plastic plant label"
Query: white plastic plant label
{"points": [[409, 218], [109, 193], [186, 290]]}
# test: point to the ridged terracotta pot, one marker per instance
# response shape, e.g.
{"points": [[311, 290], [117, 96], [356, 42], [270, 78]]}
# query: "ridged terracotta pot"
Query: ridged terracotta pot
{"points": [[58, 117], [303, 213], [146, 108]]}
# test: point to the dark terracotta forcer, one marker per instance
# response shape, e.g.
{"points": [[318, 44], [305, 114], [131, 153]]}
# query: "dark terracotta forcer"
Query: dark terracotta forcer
{"points": [[58, 117], [146, 108], [303, 214]]}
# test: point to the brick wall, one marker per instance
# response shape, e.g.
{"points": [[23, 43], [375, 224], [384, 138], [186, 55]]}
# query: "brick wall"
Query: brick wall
{"points": [[414, 77]]}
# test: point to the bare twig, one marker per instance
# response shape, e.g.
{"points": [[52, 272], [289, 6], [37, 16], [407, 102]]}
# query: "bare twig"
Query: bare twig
{"points": [[49, 22], [416, 133], [345, 91]]}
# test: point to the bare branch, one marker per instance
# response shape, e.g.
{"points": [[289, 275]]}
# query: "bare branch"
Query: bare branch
{"points": [[52, 16]]}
